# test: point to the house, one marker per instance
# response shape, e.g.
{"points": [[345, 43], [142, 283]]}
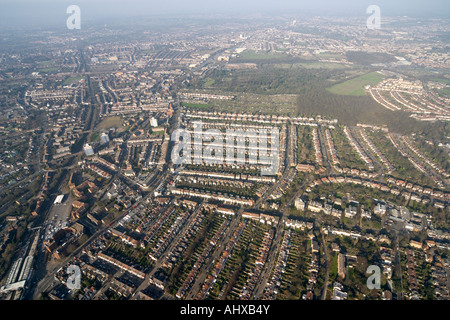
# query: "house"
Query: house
{"points": [[380, 208], [225, 211], [338, 292], [315, 206], [351, 211], [299, 204], [335, 247], [314, 246], [250, 215], [415, 244], [341, 265]]}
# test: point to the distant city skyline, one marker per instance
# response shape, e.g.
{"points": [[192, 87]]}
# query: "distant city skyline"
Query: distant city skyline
{"points": [[46, 12]]}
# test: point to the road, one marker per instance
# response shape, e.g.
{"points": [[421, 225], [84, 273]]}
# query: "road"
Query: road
{"points": [[276, 243], [163, 257], [327, 268], [43, 285], [323, 147], [219, 247], [377, 164], [398, 265], [271, 260]]}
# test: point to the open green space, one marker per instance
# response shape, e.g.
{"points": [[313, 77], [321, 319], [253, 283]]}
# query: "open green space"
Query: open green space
{"points": [[197, 105], [321, 65], [445, 92], [447, 81], [111, 122], [252, 55], [72, 80], [285, 87], [355, 86], [209, 82], [48, 70]]}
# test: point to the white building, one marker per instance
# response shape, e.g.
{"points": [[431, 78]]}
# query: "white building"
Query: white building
{"points": [[338, 292], [104, 138], [88, 150], [300, 204], [380, 208], [59, 199]]}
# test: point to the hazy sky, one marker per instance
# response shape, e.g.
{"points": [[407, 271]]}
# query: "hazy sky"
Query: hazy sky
{"points": [[45, 12]]}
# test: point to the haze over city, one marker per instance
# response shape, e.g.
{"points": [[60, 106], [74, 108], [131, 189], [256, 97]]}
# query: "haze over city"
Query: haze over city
{"points": [[247, 152], [41, 13]]}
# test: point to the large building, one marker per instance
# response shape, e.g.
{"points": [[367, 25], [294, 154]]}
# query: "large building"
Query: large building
{"points": [[104, 138], [88, 150], [300, 204], [59, 199]]}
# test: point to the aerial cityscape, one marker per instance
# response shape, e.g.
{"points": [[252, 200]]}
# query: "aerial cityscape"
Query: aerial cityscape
{"points": [[226, 157]]}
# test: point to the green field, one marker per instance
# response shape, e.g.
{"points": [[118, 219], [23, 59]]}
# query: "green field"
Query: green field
{"points": [[355, 86], [196, 105], [253, 103], [71, 80], [447, 81], [209, 82], [322, 65], [48, 70], [111, 122], [310, 65], [252, 55], [444, 91]]}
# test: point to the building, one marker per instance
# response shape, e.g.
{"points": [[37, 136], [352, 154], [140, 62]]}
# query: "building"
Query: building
{"points": [[338, 292], [351, 211], [59, 199], [225, 211], [153, 122], [122, 265], [300, 204], [314, 246], [415, 244], [88, 151], [380, 209], [315, 206], [104, 138]]}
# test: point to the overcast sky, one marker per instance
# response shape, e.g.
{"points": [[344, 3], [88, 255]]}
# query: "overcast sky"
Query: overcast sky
{"points": [[53, 11]]}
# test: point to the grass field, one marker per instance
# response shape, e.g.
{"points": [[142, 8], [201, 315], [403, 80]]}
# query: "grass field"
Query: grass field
{"points": [[71, 80], [322, 65], [447, 81], [310, 65], [196, 105], [48, 70], [258, 103], [355, 86], [111, 122], [444, 91], [252, 55], [209, 82]]}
